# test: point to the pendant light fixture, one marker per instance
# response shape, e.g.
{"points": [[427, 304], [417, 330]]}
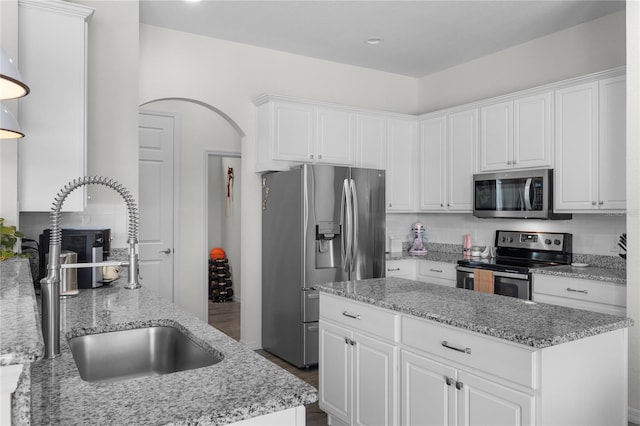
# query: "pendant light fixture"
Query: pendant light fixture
{"points": [[11, 87], [9, 127]]}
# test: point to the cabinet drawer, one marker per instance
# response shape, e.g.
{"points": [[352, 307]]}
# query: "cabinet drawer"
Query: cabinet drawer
{"points": [[437, 272], [401, 268], [578, 289], [509, 361], [359, 316]]}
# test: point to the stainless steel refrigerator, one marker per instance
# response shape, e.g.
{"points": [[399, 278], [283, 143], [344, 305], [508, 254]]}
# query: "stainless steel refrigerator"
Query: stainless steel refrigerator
{"points": [[319, 224]]}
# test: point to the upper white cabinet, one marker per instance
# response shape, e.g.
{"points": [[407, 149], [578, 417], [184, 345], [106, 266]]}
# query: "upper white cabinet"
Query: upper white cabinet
{"points": [[371, 141], [401, 156], [517, 133], [53, 58], [447, 154], [590, 146], [292, 132]]}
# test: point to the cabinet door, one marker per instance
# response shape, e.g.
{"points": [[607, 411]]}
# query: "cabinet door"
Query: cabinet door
{"points": [[612, 144], [292, 132], [335, 140], [53, 116], [371, 142], [401, 159], [496, 137], [462, 141], [334, 372], [426, 392], [576, 123], [405, 268], [532, 146], [432, 168], [481, 402], [374, 381]]}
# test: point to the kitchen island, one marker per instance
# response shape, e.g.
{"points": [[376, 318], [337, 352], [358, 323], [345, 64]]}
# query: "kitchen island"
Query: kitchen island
{"points": [[442, 355], [243, 387]]}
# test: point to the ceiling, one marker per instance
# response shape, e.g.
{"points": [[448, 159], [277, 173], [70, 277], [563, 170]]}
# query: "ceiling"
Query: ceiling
{"points": [[418, 37]]}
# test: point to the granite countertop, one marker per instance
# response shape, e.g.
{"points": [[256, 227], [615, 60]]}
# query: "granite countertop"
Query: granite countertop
{"points": [[20, 338], [434, 256], [600, 270], [243, 385], [537, 325], [611, 275]]}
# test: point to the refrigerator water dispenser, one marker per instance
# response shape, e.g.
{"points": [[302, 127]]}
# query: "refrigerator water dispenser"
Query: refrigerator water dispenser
{"points": [[328, 247]]}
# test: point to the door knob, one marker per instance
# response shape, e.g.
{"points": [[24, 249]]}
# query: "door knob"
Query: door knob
{"points": [[167, 251]]}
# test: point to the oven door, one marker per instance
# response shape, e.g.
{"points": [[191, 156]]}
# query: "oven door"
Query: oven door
{"points": [[505, 283]]}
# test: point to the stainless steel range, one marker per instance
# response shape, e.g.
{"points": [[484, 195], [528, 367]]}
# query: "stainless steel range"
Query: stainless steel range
{"points": [[516, 253]]}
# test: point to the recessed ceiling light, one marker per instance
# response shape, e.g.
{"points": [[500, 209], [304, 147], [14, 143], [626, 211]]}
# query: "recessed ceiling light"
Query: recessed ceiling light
{"points": [[374, 40]]}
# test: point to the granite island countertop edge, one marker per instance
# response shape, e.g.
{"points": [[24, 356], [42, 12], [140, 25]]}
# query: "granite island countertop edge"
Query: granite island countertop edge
{"points": [[598, 323]]}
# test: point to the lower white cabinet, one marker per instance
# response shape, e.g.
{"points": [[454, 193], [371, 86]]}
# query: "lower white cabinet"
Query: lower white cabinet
{"points": [[437, 272], [433, 393], [597, 296], [358, 370], [404, 268], [381, 367]]}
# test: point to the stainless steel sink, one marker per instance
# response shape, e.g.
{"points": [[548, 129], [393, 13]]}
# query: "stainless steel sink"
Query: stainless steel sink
{"points": [[140, 352]]}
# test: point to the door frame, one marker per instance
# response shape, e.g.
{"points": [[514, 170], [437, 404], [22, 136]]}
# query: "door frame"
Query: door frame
{"points": [[205, 241], [177, 131]]}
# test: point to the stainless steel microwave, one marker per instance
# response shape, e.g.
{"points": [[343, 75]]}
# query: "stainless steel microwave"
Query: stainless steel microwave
{"points": [[521, 194]]}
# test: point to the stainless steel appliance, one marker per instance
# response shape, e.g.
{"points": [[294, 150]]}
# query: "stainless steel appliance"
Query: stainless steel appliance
{"points": [[516, 253], [319, 224], [91, 245], [521, 194]]}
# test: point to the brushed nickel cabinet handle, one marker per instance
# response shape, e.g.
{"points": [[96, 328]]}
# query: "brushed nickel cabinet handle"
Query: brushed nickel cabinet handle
{"points": [[577, 291], [350, 315], [456, 348]]}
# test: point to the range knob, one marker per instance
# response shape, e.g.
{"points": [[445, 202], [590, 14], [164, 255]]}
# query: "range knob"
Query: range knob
{"points": [[556, 242], [547, 241]]}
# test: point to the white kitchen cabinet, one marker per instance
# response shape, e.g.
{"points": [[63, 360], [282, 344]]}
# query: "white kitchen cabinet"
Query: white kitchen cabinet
{"points": [[401, 163], [358, 363], [516, 134], [434, 393], [293, 132], [447, 154], [452, 376], [371, 141], [591, 295], [433, 182], [461, 159], [404, 268], [53, 62], [591, 147], [336, 137], [436, 272]]}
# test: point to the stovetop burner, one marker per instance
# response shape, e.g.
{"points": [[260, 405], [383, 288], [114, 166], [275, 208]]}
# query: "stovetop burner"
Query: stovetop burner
{"points": [[521, 251]]}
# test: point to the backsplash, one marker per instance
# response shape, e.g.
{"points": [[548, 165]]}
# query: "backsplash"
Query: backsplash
{"points": [[593, 234]]}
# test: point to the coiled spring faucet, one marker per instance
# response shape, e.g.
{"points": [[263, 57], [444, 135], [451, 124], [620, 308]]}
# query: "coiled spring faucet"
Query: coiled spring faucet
{"points": [[50, 285]]}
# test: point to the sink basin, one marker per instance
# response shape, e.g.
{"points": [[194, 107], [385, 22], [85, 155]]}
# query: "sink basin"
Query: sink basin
{"points": [[140, 352]]}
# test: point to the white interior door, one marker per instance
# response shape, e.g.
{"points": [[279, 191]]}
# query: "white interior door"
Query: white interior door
{"points": [[156, 248]]}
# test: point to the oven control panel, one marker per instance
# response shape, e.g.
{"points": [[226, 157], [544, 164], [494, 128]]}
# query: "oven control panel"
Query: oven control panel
{"points": [[549, 241]]}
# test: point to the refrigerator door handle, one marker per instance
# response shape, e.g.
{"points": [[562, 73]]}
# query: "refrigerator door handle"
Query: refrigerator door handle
{"points": [[346, 227], [354, 216]]}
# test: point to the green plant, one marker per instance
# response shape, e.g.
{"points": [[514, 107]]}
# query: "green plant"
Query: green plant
{"points": [[9, 236]]}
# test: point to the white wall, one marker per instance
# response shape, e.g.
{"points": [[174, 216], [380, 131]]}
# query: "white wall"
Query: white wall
{"points": [[593, 46], [633, 203], [228, 76]]}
